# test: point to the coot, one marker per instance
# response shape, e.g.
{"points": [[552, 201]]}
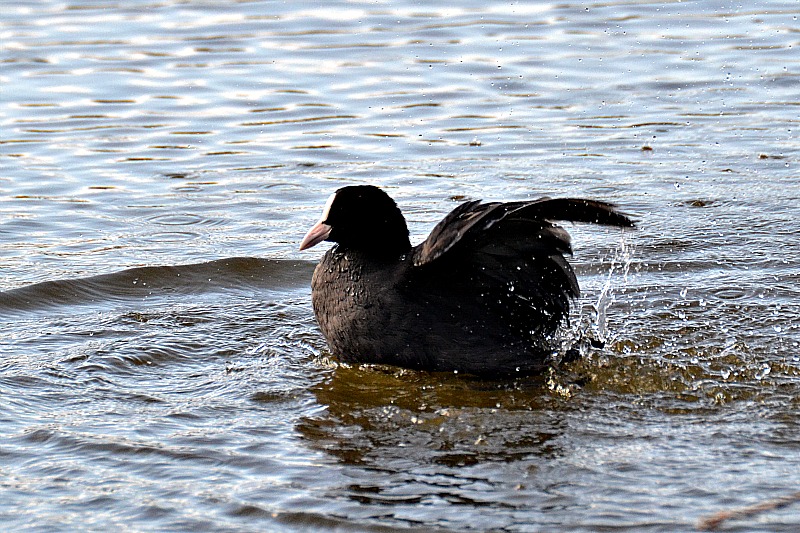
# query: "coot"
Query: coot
{"points": [[484, 294]]}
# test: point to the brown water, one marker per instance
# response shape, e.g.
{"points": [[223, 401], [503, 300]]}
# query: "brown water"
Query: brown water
{"points": [[161, 368]]}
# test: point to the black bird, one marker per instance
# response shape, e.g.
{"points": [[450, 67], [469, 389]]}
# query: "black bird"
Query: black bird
{"points": [[483, 294]]}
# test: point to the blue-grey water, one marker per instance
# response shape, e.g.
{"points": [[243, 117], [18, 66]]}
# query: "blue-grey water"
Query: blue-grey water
{"points": [[160, 367]]}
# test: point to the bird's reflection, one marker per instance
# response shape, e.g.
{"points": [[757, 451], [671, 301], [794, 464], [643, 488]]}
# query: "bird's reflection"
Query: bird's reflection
{"points": [[383, 416]]}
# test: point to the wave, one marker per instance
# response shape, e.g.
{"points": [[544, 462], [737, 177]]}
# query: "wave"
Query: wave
{"points": [[231, 274]]}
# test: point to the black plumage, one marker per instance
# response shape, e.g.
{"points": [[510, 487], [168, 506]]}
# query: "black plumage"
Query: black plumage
{"points": [[483, 294]]}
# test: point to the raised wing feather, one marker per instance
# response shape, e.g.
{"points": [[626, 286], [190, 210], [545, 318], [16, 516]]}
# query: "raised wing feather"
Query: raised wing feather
{"points": [[511, 256]]}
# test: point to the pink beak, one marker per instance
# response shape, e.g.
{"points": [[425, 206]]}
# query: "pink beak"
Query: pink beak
{"points": [[320, 231], [315, 235]]}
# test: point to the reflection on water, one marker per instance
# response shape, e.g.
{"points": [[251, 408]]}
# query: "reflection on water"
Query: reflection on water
{"points": [[430, 446], [438, 411], [161, 367]]}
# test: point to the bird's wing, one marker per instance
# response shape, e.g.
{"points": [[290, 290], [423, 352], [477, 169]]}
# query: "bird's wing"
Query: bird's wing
{"points": [[511, 256]]}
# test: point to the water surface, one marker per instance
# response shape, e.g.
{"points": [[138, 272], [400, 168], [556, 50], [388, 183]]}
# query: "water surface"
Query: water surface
{"points": [[161, 368]]}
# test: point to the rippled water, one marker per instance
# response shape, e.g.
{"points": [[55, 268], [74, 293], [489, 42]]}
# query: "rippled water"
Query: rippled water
{"points": [[161, 368]]}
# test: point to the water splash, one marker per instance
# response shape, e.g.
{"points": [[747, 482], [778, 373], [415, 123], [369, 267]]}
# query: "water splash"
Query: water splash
{"points": [[620, 264], [588, 332]]}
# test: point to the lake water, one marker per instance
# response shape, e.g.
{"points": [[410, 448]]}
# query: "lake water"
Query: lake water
{"points": [[161, 368]]}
